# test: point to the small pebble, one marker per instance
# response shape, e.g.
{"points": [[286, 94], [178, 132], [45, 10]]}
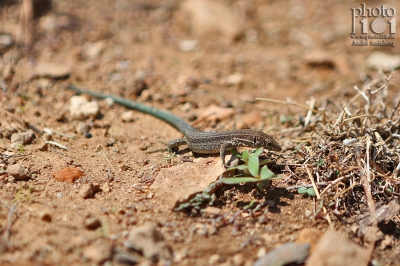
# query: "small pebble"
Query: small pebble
{"points": [[145, 95], [186, 107], [105, 187], [215, 259], [82, 128], [386, 62], [69, 174], [88, 190], [225, 103], [18, 171], [238, 260], [127, 116], [188, 45], [45, 216], [80, 108], [23, 138], [234, 79], [93, 50], [92, 223], [6, 40]]}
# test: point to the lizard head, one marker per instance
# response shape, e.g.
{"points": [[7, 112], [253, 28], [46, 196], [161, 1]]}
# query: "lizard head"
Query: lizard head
{"points": [[267, 142]]}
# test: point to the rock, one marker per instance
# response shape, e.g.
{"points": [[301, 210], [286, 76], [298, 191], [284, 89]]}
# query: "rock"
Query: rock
{"points": [[138, 86], [90, 109], [43, 147], [238, 260], [214, 259], [80, 108], [88, 190], [96, 253], [48, 23], [69, 174], [18, 171], [285, 254], [92, 223], [127, 116], [23, 138], [93, 50], [212, 210], [186, 107], [82, 128], [52, 70], [319, 59], [6, 40], [105, 187], [188, 45], [211, 18], [145, 95], [386, 62], [334, 249], [124, 258], [310, 236], [45, 216], [149, 241], [384, 213], [234, 79]]}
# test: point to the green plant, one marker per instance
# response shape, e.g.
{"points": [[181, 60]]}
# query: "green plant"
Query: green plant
{"points": [[306, 191], [253, 169]]}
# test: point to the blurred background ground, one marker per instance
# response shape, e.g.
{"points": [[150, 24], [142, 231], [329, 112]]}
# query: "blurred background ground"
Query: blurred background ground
{"points": [[183, 56]]}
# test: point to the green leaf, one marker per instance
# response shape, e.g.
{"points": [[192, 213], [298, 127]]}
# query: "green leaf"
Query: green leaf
{"points": [[286, 119], [245, 156], [250, 205], [257, 152], [311, 192], [238, 180], [243, 167], [254, 166], [266, 173], [302, 190], [320, 163]]}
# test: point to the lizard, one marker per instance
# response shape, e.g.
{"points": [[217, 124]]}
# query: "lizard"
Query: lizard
{"points": [[202, 142]]}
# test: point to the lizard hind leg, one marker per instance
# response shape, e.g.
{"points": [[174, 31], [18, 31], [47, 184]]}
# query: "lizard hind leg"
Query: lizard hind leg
{"points": [[176, 143]]}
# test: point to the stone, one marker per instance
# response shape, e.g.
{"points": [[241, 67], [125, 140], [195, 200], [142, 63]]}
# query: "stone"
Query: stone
{"points": [[188, 45], [80, 108], [52, 69], [18, 171], [23, 138], [286, 254], [335, 249], [234, 79], [69, 174], [211, 19], [92, 223], [149, 241], [88, 190], [386, 62]]}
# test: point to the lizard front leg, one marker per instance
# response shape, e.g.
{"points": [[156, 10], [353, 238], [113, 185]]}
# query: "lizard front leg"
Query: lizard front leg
{"points": [[226, 146]]}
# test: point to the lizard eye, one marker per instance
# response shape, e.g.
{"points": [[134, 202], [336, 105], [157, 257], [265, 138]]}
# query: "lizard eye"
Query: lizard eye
{"points": [[255, 141]]}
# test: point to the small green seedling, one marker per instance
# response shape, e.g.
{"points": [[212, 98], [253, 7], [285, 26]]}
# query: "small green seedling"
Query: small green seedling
{"points": [[306, 191], [170, 157], [253, 170], [320, 163]]}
